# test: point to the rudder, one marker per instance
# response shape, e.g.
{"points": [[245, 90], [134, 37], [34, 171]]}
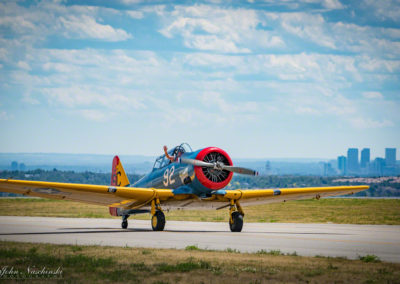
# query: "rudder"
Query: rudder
{"points": [[118, 178], [118, 175]]}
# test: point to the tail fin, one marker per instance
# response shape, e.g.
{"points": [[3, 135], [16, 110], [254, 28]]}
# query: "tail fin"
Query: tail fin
{"points": [[118, 175]]}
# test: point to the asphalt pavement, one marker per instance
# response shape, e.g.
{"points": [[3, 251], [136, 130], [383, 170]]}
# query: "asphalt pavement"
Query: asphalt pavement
{"points": [[336, 240]]}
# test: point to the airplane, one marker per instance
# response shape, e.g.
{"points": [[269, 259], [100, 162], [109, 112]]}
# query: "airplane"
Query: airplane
{"points": [[180, 179]]}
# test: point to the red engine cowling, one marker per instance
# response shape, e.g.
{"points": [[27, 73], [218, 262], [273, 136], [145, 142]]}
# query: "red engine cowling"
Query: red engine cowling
{"points": [[209, 177]]}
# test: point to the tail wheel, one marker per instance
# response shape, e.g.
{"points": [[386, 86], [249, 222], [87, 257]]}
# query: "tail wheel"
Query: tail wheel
{"points": [[158, 221], [124, 224], [236, 222]]}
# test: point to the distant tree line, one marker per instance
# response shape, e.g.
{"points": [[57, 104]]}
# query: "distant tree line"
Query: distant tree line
{"points": [[384, 189], [64, 176]]}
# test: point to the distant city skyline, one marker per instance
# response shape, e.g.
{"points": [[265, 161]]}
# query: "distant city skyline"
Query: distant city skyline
{"points": [[352, 164]]}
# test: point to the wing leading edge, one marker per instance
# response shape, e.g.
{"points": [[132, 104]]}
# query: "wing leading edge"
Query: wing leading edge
{"points": [[134, 197], [116, 196], [261, 196]]}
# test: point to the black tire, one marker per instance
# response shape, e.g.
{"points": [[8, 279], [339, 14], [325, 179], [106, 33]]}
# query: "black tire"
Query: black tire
{"points": [[158, 221], [237, 222], [124, 224]]}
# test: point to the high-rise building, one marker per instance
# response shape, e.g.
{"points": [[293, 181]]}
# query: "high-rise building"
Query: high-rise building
{"points": [[390, 157], [352, 160], [379, 166], [342, 165], [365, 157], [14, 166]]}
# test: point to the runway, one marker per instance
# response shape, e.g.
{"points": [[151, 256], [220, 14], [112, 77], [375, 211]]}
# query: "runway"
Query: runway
{"points": [[333, 240]]}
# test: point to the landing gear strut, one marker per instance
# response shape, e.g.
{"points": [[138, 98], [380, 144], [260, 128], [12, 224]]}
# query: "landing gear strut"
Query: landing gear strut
{"points": [[157, 216], [124, 223], [236, 215]]}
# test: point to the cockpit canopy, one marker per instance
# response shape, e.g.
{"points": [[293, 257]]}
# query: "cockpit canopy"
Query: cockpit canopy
{"points": [[175, 152]]}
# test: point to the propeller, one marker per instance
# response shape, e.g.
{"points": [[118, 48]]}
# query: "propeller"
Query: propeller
{"points": [[219, 166]]}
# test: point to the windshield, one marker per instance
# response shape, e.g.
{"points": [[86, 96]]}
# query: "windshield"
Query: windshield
{"points": [[175, 152]]}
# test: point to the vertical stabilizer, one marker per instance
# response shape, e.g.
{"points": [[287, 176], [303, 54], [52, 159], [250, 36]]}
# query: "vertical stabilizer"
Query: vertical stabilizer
{"points": [[118, 175]]}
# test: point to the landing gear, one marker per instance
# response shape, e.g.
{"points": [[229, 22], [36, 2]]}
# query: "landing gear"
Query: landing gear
{"points": [[236, 222], [236, 216], [124, 223], [157, 216], [158, 221]]}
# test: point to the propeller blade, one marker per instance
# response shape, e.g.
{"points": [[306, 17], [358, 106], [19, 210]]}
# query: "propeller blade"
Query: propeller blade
{"points": [[197, 163], [219, 166], [240, 170]]}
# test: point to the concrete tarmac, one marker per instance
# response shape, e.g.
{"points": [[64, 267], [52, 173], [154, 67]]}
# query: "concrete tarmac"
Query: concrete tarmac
{"points": [[336, 240]]}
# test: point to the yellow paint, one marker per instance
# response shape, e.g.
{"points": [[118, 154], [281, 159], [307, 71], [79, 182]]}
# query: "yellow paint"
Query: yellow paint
{"points": [[122, 178], [133, 197], [127, 197], [305, 191]]}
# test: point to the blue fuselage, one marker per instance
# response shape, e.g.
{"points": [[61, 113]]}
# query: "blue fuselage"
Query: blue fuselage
{"points": [[177, 176]]}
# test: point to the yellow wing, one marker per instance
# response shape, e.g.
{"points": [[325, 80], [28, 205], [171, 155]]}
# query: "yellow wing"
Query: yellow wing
{"points": [[115, 196], [134, 197], [261, 196]]}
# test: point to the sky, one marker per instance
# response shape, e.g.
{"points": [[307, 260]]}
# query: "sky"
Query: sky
{"points": [[274, 79]]}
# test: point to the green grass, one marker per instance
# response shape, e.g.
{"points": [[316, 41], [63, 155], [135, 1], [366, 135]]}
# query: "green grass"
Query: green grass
{"points": [[369, 258], [334, 210], [96, 264], [192, 247]]}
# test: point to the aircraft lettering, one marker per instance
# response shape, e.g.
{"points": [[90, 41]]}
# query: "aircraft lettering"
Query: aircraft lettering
{"points": [[169, 172], [171, 181], [119, 174]]}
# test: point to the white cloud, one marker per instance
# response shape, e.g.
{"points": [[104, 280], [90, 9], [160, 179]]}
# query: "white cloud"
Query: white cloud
{"points": [[287, 67], [230, 110], [87, 27], [307, 110], [3, 53], [223, 30], [24, 65], [4, 115], [336, 35], [299, 4], [91, 96], [372, 95], [363, 123], [317, 104], [212, 42], [331, 4], [305, 25], [374, 64], [383, 9], [135, 14], [95, 115], [328, 4], [46, 18], [29, 99], [130, 2]]}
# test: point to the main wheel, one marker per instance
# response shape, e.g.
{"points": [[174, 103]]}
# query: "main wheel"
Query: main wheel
{"points": [[236, 224], [124, 224], [158, 221]]}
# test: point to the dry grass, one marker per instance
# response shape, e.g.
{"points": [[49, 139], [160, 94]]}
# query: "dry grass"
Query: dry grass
{"points": [[141, 265], [335, 210]]}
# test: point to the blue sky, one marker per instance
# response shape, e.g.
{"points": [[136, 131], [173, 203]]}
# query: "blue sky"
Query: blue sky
{"points": [[266, 78]]}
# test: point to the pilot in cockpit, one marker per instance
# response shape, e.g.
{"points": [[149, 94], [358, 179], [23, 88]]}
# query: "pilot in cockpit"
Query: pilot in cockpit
{"points": [[176, 153]]}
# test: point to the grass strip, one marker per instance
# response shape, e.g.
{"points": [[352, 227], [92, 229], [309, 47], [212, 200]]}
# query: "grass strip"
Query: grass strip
{"points": [[333, 210], [83, 264]]}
